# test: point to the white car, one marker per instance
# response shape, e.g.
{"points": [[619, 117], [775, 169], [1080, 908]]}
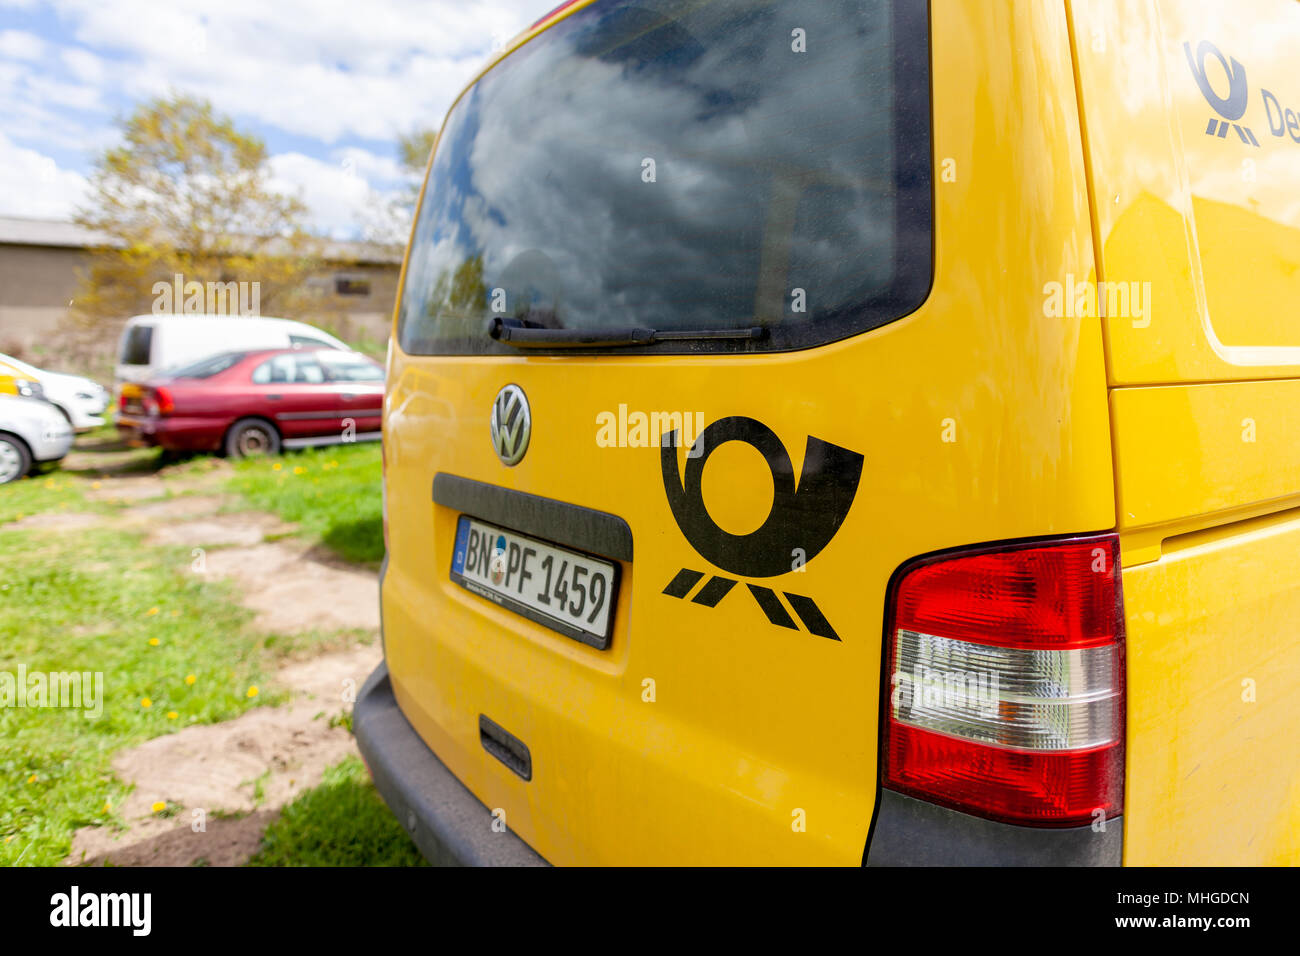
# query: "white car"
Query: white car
{"points": [[81, 400], [151, 343], [32, 433]]}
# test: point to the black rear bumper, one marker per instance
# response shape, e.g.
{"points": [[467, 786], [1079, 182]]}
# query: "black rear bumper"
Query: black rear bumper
{"points": [[910, 832], [447, 822]]}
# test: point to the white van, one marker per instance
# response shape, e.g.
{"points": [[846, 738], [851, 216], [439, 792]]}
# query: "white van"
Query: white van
{"points": [[151, 343]]}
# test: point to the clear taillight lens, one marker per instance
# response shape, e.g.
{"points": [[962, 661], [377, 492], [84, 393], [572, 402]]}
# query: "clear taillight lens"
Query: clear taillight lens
{"points": [[1006, 682]]}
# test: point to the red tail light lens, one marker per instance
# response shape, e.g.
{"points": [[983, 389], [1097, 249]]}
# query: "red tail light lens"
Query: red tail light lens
{"points": [[163, 398], [1006, 682]]}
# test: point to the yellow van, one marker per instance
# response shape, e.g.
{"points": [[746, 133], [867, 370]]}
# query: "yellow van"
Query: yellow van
{"points": [[852, 432]]}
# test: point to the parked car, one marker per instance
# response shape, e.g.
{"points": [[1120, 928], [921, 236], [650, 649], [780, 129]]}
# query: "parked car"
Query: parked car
{"points": [[251, 403], [15, 381], [32, 433], [970, 558], [151, 344], [81, 400]]}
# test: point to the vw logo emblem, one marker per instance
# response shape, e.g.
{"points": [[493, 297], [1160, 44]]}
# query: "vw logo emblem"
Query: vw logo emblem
{"points": [[512, 424]]}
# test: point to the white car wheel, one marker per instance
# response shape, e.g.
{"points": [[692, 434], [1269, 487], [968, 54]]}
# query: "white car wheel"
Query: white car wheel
{"points": [[14, 460]]}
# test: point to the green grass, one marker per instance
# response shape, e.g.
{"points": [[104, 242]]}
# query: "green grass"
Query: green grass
{"points": [[92, 599], [40, 494], [342, 822], [332, 493], [96, 600]]}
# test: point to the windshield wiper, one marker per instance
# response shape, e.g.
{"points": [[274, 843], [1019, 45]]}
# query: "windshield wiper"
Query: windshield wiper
{"points": [[524, 335]]}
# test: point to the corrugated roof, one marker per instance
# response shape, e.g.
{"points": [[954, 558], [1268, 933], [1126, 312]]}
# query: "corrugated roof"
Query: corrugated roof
{"points": [[15, 231], [48, 232]]}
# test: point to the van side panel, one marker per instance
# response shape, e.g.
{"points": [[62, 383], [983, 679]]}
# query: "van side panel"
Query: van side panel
{"points": [[1214, 699], [1194, 170], [1198, 210]]}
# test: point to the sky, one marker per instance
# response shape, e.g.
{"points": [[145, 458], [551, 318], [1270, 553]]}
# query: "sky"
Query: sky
{"points": [[328, 85]]}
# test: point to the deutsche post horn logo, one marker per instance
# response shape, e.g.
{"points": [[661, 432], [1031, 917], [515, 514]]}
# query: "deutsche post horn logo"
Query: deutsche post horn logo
{"points": [[511, 424], [802, 521], [1233, 106]]}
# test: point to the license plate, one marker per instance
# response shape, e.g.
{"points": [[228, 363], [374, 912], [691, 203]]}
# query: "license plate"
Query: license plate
{"points": [[567, 591]]}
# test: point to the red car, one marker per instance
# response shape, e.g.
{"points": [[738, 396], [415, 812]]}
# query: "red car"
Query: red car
{"points": [[255, 403]]}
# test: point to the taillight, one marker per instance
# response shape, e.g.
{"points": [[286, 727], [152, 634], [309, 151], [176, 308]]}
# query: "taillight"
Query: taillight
{"points": [[165, 403], [1006, 683]]}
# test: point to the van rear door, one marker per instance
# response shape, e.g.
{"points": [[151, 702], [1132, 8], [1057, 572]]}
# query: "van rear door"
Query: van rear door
{"points": [[768, 302], [135, 351]]}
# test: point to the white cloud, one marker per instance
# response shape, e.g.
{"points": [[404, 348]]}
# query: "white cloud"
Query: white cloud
{"points": [[338, 195], [20, 45], [34, 186], [328, 72], [336, 69], [375, 168], [83, 64]]}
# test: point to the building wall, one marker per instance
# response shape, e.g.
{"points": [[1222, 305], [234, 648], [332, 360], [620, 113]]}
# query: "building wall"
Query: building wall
{"points": [[36, 285]]}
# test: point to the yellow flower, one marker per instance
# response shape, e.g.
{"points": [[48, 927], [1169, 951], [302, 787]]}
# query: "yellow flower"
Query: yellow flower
{"points": [[151, 612], [32, 778], [95, 484], [107, 807], [190, 679], [176, 613], [276, 466], [172, 715], [146, 703], [159, 806], [153, 642], [299, 470], [252, 691]]}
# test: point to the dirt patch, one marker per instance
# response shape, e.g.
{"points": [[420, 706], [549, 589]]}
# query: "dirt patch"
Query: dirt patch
{"points": [[56, 521], [179, 508], [222, 784], [223, 841], [128, 488], [103, 460], [293, 588], [243, 528], [253, 765]]}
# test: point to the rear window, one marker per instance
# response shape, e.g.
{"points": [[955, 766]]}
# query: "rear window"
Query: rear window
{"points": [[137, 345], [684, 166]]}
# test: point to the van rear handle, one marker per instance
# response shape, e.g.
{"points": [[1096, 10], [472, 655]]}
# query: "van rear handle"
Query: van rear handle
{"points": [[505, 746]]}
